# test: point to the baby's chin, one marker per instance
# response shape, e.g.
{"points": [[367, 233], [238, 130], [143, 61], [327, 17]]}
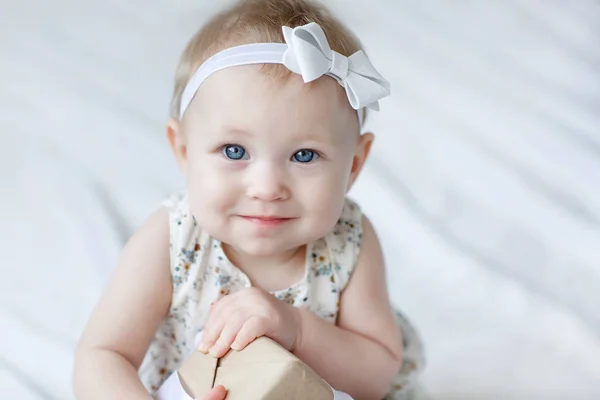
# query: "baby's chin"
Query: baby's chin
{"points": [[264, 247], [278, 242]]}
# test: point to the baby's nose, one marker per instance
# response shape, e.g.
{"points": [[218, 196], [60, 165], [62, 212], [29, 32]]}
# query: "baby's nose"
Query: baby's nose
{"points": [[268, 184]]}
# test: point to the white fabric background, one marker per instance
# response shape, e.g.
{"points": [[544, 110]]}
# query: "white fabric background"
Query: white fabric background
{"points": [[484, 183]]}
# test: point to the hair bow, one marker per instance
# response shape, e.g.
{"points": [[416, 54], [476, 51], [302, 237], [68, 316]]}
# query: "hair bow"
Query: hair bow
{"points": [[310, 55]]}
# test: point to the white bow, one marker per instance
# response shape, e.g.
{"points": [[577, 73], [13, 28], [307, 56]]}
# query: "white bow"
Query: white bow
{"points": [[310, 55]]}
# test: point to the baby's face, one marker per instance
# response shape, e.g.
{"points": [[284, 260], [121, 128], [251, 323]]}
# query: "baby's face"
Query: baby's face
{"points": [[268, 163]]}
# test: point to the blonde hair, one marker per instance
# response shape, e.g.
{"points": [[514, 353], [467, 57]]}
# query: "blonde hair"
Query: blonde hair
{"points": [[255, 21]]}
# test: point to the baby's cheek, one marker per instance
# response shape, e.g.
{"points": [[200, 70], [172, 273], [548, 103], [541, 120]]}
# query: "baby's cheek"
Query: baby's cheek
{"points": [[324, 204], [208, 195]]}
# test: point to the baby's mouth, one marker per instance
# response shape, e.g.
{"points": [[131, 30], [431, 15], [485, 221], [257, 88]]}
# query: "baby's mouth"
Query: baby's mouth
{"points": [[266, 220]]}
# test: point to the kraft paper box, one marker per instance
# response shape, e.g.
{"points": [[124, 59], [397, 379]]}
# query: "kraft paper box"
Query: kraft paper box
{"points": [[262, 371]]}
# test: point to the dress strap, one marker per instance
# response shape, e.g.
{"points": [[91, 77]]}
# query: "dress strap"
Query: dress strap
{"points": [[344, 244]]}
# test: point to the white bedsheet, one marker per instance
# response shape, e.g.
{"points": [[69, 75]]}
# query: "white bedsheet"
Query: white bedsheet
{"points": [[484, 183]]}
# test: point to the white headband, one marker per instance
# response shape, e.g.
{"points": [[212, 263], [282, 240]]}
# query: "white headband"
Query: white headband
{"points": [[305, 52]]}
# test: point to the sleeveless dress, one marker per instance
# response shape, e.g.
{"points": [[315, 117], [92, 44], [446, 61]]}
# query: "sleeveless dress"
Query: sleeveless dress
{"points": [[202, 274]]}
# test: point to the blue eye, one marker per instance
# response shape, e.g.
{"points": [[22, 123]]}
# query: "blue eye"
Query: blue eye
{"points": [[234, 152], [305, 156]]}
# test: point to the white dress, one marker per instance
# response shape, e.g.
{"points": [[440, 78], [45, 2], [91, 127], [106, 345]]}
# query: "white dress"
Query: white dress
{"points": [[202, 274]]}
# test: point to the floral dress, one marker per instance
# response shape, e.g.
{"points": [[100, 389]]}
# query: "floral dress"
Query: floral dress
{"points": [[202, 274]]}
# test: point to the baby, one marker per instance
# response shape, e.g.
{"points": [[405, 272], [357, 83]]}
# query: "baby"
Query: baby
{"points": [[269, 101]]}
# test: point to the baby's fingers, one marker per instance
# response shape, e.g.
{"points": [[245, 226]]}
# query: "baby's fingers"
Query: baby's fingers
{"points": [[253, 327], [212, 331], [219, 314], [217, 393], [230, 330]]}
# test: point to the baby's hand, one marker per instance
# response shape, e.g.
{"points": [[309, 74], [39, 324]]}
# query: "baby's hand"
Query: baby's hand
{"points": [[217, 393], [237, 319]]}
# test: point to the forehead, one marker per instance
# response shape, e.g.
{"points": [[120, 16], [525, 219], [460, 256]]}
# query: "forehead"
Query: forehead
{"points": [[246, 96]]}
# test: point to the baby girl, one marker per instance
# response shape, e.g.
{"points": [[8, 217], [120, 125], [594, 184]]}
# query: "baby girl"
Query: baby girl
{"points": [[266, 126]]}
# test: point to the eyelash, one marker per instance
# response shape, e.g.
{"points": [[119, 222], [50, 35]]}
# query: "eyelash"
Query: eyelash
{"points": [[223, 146], [316, 154], [224, 152]]}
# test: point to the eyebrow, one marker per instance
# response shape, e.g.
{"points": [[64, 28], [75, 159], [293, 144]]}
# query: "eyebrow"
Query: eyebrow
{"points": [[235, 131], [316, 136], [311, 137]]}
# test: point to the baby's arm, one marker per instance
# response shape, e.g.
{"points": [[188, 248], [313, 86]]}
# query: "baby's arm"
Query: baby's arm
{"points": [[125, 320], [361, 355]]}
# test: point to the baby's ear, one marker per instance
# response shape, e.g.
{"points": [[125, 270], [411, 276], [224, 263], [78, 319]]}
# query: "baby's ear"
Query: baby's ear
{"points": [[360, 155], [178, 143]]}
